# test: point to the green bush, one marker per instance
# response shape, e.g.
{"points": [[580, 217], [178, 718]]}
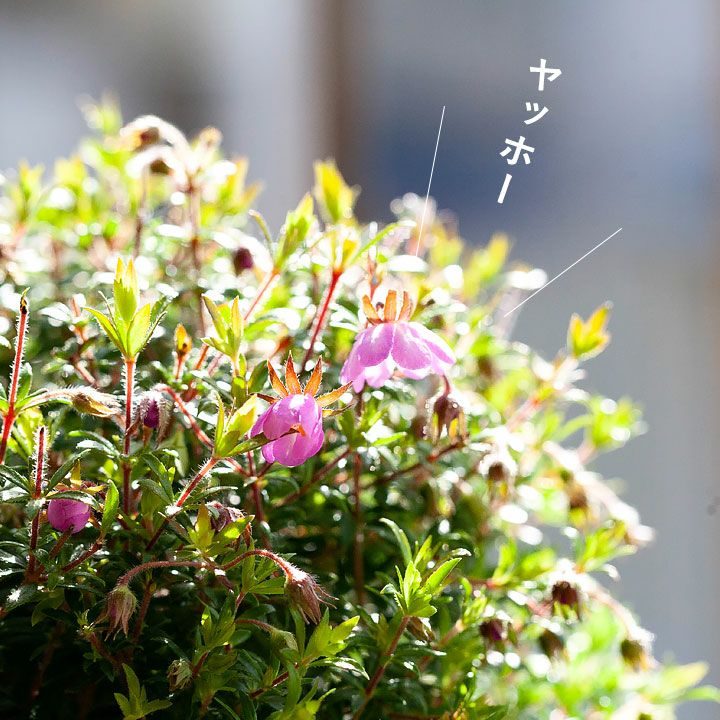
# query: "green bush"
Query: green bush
{"points": [[386, 532]]}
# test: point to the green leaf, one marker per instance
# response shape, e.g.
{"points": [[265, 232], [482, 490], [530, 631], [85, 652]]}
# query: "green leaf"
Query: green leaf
{"points": [[110, 511], [401, 539], [108, 327], [436, 580], [125, 290], [138, 331], [589, 338]]}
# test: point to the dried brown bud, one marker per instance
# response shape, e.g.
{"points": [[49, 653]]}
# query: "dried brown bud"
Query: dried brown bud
{"points": [[120, 606], [93, 402], [420, 629], [305, 594]]}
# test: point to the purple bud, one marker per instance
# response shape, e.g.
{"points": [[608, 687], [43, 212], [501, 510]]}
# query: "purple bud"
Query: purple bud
{"points": [[566, 598], [151, 419], [492, 631], [243, 260], [151, 410], [65, 514]]}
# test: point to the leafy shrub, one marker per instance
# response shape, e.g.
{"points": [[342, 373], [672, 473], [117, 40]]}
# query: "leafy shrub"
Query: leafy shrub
{"points": [[387, 529]]}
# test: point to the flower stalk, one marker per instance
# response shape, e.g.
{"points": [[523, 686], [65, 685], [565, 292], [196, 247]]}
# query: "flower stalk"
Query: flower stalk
{"points": [[10, 415], [129, 389]]}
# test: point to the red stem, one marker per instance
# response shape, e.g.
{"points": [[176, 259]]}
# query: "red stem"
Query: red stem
{"points": [[210, 463], [129, 383], [10, 415], [316, 478], [130, 574], [337, 274], [88, 553], [39, 462], [284, 566], [267, 282], [380, 671], [202, 472]]}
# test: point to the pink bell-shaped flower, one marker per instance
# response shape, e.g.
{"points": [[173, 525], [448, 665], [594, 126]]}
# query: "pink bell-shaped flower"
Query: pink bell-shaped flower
{"points": [[394, 343], [296, 419], [65, 514]]}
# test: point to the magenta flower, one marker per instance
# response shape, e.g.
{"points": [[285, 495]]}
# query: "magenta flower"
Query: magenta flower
{"points": [[296, 420], [65, 514], [394, 343]]}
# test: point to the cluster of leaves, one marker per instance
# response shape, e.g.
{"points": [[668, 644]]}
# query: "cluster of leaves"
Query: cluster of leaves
{"points": [[444, 555]]}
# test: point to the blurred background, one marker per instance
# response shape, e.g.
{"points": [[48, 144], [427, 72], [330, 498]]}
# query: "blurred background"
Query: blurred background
{"points": [[630, 140]]}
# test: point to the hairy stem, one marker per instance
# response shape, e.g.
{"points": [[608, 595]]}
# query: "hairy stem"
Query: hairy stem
{"points": [[39, 463], [201, 473], [130, 574], [129, 388], [82, 558], [282, 564], [382, 666], [10, 415]]}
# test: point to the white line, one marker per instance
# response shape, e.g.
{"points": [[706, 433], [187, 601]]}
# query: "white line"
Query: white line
{"points": [[506, 185], [569, 267], [427, 195]]}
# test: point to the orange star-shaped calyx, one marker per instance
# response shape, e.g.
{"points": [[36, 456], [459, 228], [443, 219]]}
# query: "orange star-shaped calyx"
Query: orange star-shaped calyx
{"points": [[292, 385], [390, 310]]}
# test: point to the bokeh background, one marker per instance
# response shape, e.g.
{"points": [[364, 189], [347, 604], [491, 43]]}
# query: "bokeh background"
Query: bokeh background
{"points": [[631, 140]]}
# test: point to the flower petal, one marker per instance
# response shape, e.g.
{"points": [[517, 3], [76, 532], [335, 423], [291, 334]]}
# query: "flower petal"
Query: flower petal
{"points": [[375, 344], [409, 351], [437, 346]]}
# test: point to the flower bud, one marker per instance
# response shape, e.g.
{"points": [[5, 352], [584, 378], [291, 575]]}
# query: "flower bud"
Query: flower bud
{"points": [[493, 631], [636, 653], [242, 260], [121, 604], [221, 516], [152, 411], [448, 415], [65, 514], [179, 675], [551, 644], [566, 598], [305, 594]]}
